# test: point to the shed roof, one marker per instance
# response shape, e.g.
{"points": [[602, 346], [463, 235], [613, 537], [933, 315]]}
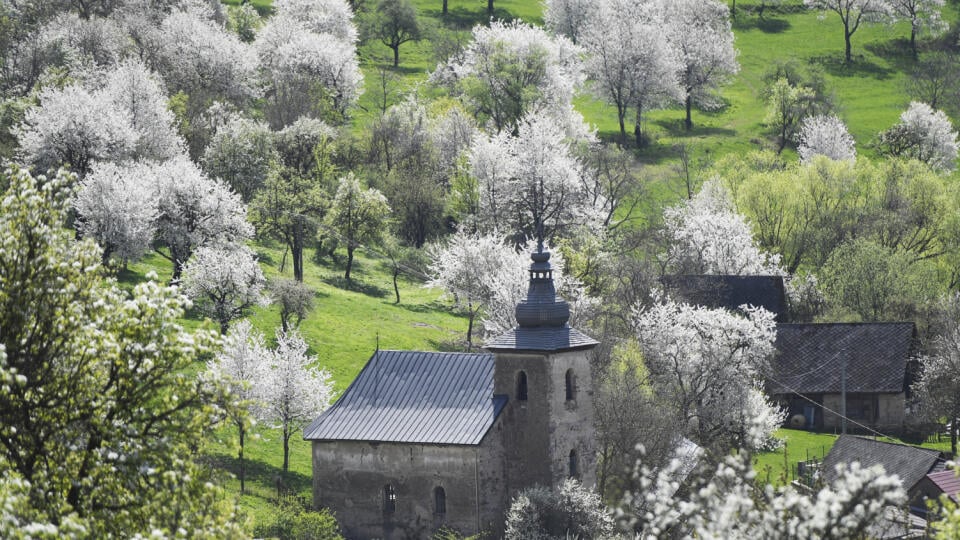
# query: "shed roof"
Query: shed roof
{"points": [[415, 397], [910, 463], [730, 292], [948, 482], [809, 357]]}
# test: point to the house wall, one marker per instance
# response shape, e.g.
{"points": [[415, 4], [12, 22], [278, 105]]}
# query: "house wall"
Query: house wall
{"points": [[890, 412], [349, 478], [539, 433]]}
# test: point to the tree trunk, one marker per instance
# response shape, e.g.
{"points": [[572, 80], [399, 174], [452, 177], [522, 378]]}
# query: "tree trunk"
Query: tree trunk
{"points": [[286, 449], [470, 325], [242, 465], [689, 121], [621, 113], [444, 7], [638, 129], [913, 40], [848, 56], [224, 326], [396, 55], [350, 249], [490, 7], [396, 289], [296, 252], [733, 10]]}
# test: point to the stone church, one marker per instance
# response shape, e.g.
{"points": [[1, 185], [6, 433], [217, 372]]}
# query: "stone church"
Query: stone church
{"points": [[426, 439]]}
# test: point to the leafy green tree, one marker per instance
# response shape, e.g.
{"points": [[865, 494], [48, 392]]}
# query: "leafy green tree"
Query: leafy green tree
{"points": [[787, 105], [394, 22], [97, 411], [871, 281], [288, 207], [357, 215]]}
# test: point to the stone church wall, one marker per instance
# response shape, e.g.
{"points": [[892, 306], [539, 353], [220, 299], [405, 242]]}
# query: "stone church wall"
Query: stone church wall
{"points": [[350, 477]]}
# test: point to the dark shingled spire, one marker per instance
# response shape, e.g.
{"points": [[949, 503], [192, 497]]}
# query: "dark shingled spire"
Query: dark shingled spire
{"points": [[542, 316], [542, 306]]}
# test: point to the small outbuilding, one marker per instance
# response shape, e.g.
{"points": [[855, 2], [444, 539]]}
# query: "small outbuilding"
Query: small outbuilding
{"points": [[873, 363]]}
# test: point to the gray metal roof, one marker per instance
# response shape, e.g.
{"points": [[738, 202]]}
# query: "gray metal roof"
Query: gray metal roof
{"points": [[415, 397], [543, 338], [809, 357]]}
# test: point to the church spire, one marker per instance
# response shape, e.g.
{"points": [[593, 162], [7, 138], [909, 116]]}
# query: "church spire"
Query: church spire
{"points": [[542, 307]]}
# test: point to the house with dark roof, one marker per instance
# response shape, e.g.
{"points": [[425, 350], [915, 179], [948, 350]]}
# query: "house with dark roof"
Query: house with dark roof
{"points": [[911, 464], [424, 439], [871, 362], [729, 292]]}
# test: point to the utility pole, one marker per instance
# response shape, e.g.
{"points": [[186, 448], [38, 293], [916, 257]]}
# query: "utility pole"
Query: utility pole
{"points": [[843, 391]]}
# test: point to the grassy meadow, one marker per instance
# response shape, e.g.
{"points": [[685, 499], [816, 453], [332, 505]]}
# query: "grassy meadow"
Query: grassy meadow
{"points": [[348, 322]]}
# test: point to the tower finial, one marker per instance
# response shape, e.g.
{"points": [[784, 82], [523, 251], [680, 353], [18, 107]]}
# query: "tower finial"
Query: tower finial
{"points": [[542, 306]]}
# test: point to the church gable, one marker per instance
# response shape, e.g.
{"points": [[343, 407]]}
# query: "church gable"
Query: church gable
{"points": [[415, 397]]}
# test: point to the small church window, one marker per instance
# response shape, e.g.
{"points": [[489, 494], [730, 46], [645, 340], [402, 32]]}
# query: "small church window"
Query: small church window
{"points": [[569, 383], [389, 499], [440, 501], [522, 386], [574, 472]]}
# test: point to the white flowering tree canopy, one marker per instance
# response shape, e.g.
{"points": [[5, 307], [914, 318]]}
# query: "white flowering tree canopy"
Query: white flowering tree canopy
{"points": [[531, 183], [75, 127], [224, 281], [631, 59], [569, 17], [701, 31], [293, 392], [708, 236], [825, 135], [194, 211], [727, 502], [515, 70], [488, 276], [115, 208], [924, 134], [709, 365], [305, 46]]}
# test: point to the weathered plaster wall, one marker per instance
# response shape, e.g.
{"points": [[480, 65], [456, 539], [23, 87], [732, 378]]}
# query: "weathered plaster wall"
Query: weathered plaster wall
{"points": [[890, 408], [349, 478], [540, 432]]}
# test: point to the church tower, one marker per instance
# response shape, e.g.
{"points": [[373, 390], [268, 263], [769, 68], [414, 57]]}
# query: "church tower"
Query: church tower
{"points": [[543, 366]]}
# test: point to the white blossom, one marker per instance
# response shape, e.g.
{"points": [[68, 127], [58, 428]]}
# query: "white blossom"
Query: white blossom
{"points": [[293, 391], [531, 180], [709, 364], [75, 127], [117, 209], [224, 281], [825, 135], [708, 236], [923, 134]]}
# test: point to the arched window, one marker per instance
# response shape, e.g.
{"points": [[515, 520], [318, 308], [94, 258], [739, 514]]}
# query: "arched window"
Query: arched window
{"points": [[522, 386], [574, 471], [389, 499], [570, 389], [439, 501]]}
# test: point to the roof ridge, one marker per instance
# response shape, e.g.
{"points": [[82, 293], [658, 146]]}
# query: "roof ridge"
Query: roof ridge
{"points": [[870, 439]]}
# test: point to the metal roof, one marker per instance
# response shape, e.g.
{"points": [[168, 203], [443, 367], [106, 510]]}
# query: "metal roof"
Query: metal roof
{"points": [[909, 463], [543, 338], [415, 397], [809, 357]]}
